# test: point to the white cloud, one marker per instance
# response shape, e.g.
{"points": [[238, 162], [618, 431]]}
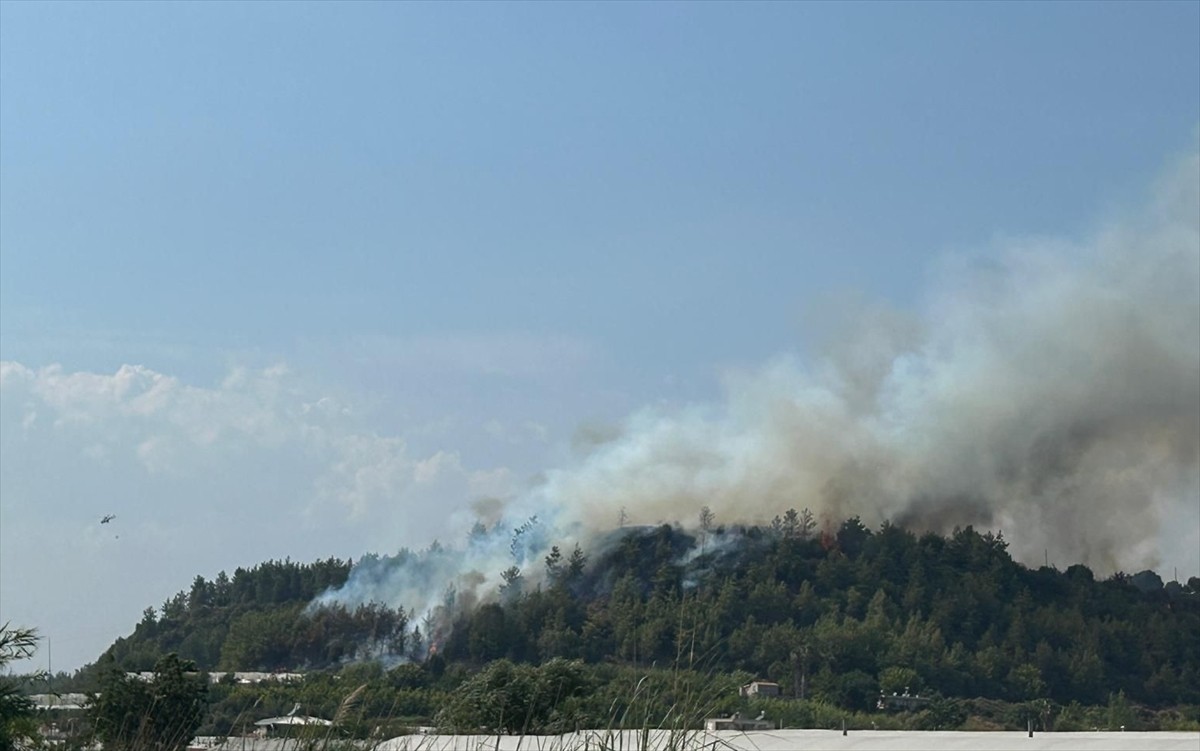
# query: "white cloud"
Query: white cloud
{"points": [[171, 427], [156, 455], [202, 478], [365, 470]]}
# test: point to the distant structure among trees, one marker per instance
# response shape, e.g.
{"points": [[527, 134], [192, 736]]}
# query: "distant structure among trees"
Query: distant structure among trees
{"points": [[760, 689]]}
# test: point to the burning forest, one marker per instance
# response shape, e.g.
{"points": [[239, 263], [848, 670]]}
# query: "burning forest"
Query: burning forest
{"points": [[1050, 390]]}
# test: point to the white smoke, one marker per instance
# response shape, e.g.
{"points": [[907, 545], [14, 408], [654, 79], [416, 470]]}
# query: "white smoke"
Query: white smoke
{"points": [[1050, 389]]}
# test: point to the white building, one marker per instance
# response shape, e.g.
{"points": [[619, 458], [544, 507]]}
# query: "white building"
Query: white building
{"points": [[272, 726], [755, 689]]}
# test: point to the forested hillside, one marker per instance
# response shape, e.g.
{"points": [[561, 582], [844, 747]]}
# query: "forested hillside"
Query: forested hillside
{"points": [[247, 619], [835, 617]]}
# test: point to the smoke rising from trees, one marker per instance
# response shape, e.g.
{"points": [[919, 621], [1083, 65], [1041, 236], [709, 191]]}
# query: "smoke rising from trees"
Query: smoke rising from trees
{"points": [[1050, 389], [1047, 388]]}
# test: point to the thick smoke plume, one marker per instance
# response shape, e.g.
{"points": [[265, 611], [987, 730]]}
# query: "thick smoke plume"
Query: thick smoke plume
{"points": [[1050, 390]]}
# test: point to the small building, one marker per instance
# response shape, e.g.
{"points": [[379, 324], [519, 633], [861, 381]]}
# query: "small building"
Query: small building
{"points": [[252, 677], [289, 723], [736, 722], [59, 701], [904, 702], [757, 689]]}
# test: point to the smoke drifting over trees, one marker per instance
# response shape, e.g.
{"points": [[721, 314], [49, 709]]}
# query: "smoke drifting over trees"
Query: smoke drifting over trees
{"points": [[1050, 389]]}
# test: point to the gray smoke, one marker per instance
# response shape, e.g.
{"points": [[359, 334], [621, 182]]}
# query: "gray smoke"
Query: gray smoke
{"points": [[1050, 389]]}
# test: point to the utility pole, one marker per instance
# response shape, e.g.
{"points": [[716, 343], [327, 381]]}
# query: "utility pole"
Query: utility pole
{"points": [[800, 672]]}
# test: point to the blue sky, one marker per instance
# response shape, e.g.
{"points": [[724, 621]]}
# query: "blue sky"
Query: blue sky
{"points": [[486, 232]]}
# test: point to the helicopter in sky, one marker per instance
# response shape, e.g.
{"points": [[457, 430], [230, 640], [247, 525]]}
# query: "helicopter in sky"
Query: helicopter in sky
{"points": [[108, 518]]}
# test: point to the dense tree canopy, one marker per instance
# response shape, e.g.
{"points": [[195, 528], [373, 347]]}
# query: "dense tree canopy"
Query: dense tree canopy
{"points": [[131, 714], [840, 617]]}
